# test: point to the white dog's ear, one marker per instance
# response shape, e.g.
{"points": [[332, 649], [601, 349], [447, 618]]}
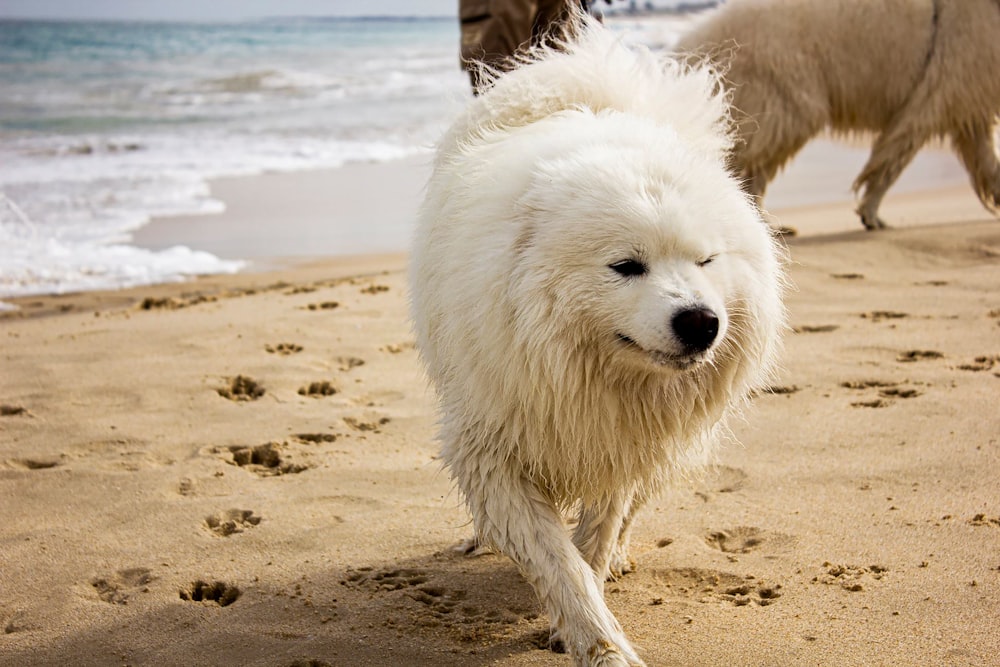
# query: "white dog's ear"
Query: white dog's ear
{"points": [[697, 105], [596, 70]]}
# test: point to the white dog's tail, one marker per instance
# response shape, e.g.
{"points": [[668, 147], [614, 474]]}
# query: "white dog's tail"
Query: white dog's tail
{"points": [[592, 68]]}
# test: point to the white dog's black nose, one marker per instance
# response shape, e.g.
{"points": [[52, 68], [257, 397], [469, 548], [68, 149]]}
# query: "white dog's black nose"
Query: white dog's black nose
{"points": [[696, 328]]}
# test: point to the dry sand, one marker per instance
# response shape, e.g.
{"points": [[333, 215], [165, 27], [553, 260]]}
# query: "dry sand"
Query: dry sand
{"points": [[243, 472]]}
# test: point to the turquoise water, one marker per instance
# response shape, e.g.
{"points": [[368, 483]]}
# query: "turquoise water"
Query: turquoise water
{"points": [[105, 124]]}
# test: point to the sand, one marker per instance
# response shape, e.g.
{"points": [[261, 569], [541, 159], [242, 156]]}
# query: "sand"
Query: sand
{"points": [[241, 470]]}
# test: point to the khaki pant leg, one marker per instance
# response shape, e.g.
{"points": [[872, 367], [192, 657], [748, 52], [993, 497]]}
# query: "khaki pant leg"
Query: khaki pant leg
{"points": [[494, 30], [549, 16]]}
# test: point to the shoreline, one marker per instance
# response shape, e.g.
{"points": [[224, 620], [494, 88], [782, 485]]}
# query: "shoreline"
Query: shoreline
{"points": [[354, 219], [277, 218], [349, 211]]}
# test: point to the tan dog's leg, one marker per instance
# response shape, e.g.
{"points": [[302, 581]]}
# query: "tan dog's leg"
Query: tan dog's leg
{"points": [[977, 150], [892, 151], [767, 148]]}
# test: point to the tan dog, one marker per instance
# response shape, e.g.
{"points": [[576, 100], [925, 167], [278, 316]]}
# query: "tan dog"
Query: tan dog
{"points": [[908, 70]]}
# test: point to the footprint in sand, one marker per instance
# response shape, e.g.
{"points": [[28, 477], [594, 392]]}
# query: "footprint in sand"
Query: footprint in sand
{"points": [[818, 328], [886, 390], [369, 579], [879, 315], [874, 403], [284, 349], [374, 289], [430, 599], [316, 438], [230, 522], [123, 584], [720, 479], [348, 363], [219, 592], [323, 305], [242, 388], [715, 586], [35, 463], [866, 384], [173, 302], [741, 595], [317, 389], [847, 276], [264, 460], [365, 425], [17, 621], [725, 479], [917, 355], [899, 392], [784, 390], [983, 520], [396, 348], [981, 363], [378, 398], [851, 578], [744, 539], [122, 453]]}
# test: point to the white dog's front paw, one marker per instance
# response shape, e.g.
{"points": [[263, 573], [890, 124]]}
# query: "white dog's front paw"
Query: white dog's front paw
{"points": [[605, 654]]}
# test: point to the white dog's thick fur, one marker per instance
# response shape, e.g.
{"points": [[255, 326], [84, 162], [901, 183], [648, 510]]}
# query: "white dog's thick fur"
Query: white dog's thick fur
{"points": [[592, 292], [908, 70]]}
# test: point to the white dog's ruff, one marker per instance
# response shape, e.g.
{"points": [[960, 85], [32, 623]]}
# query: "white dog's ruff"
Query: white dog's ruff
{"points": [[591, 292]]}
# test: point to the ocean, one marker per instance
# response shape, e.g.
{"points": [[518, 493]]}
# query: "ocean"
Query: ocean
{"points": [[104, 125]]}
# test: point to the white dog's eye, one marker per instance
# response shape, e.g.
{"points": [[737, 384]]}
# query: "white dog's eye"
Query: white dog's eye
{"points": [[628, 268], [707, 260]]}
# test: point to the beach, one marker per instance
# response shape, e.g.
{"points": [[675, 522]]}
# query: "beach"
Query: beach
{"points": [[241, 469]]}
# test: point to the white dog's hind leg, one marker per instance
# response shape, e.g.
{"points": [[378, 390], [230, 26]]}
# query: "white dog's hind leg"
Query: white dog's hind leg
{"points": [[515, 516]]}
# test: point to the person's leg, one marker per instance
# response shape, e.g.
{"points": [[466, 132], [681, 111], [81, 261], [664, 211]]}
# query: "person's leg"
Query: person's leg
{"points": [[492, 32]]}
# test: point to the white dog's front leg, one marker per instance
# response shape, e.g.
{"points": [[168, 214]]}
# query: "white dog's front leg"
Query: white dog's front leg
{"points": [[515, 515]]}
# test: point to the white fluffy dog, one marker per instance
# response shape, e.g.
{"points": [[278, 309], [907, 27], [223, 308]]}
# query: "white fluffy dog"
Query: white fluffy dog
{"points": [[908, 70], [592, 292]]}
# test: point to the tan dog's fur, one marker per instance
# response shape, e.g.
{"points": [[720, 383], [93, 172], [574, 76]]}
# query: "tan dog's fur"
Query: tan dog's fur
{"points": [[566, 382], [907, 70]]}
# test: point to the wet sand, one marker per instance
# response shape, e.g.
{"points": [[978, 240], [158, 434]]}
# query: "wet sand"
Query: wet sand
{"points": [[241, 469]]}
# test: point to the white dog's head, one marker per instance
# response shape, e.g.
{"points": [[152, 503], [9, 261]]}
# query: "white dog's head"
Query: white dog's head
{"points": [[644, 248]]}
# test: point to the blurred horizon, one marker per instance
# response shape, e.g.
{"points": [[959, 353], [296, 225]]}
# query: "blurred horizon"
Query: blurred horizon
{"points": [[219, 10], [243, 10]]}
